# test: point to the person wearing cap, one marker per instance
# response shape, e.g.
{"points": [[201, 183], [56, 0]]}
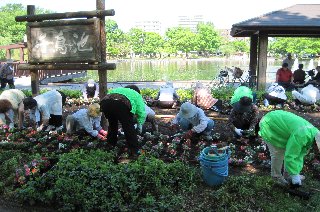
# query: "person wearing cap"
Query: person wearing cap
{"points": [[90, 89], [46, 108], [123, 105], [167, 96], [244, 115], [86, 121], [6, 75], [299, 75], [202, 98], [308, 95], [284, 77], [11, 107], [275, 95], [193, 121], [289, 138], [289, 60]]}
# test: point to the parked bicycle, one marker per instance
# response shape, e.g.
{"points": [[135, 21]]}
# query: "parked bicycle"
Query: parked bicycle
{"points": [[222, 80]]}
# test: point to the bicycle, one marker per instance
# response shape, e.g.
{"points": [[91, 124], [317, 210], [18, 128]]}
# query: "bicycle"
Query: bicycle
{"points": [[222, 80]]}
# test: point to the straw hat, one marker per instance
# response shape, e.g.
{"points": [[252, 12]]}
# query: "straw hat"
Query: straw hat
{"points": [[94, 110], [188, 110]]}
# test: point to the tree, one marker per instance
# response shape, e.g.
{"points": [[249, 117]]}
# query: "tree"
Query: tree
{"points": [[117, 41], [208, 38], [153, 43], [181, 39]]}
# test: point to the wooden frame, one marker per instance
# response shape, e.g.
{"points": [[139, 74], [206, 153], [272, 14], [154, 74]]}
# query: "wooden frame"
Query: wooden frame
{"points": [[61, 42]]}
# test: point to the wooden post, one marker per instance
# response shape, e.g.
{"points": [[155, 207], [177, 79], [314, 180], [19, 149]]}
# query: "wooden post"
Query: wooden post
{"points": [[253, 55], [102, 72], [34, 73], [262, 67], [21, 55]]}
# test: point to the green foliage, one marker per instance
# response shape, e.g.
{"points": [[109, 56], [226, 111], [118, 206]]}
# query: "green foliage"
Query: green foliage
{"points": [[208, 37], [90, 181], [256, 193], [300, 46], [185, 94], [148, 92], [224, 93]]}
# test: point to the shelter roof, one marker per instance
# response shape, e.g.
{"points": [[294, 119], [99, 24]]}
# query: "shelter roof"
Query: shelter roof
{"points": [[300, 20]]}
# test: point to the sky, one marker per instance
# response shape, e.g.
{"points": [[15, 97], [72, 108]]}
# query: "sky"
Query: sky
{"points": [[223, 14]]}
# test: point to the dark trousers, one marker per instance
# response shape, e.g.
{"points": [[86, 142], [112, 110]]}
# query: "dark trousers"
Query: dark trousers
{"points": [[4, 82], [55, 120], [274, 100], [116, 111]]}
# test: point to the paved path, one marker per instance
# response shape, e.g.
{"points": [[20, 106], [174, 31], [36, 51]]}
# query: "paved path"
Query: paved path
{"points": [[25, 83]]}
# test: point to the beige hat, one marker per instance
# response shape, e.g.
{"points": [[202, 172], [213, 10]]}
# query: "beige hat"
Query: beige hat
{"points": [[317, 138], [9, 61], [90, 82], [94, 110], [187, 110]]}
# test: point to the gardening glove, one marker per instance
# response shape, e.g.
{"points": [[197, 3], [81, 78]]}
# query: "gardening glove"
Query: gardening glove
{"points": [[103, 132], [40, 128], [238, 131], [188, 134], [296, 180], [139, 128], [101, 137]]}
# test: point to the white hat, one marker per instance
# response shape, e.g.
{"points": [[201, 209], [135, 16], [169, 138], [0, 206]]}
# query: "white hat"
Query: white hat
{"points": [[90, 82], [188, 110], [317, 138]]}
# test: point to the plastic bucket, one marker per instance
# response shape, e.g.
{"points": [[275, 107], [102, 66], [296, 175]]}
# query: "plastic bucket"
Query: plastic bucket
{"points": [[214, 166]]}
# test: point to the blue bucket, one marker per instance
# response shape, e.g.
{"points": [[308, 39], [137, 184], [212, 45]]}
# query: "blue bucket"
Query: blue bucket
{"points": [[214, 166]]}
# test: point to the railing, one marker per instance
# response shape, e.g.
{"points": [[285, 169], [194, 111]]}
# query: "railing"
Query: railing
{"points": [[45, 74]]}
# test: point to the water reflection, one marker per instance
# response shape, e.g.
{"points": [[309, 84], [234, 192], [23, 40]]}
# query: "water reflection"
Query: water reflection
{"points": [[192, 69]]}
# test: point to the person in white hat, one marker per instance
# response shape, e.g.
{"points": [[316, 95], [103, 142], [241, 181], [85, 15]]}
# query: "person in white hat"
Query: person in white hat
{"points": [[275, 94], [6, 75], [90, 89], [193, 121], [86, 121], [167, 96], [289, 138]]}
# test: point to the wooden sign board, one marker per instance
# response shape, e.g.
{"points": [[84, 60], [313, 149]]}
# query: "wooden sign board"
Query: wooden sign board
{"points": [[64, 41]]}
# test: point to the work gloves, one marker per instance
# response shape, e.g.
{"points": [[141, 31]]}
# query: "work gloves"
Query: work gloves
{"points": [[138, 127], [238, 131], [103, 132], [296, 180], [101, 137]]}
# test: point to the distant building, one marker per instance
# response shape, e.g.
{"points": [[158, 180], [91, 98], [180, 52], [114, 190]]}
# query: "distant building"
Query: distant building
{"points": [[149, 26], [190, 22]]}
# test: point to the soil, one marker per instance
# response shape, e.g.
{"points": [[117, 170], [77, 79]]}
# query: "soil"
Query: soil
{"points": [[164, 117]]}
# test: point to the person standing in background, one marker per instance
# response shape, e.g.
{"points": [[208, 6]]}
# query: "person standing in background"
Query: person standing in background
{"points": [[6, 75], [289, 60]]}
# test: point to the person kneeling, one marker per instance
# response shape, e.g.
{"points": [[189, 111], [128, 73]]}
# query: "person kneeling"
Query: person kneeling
{"points": [[193, 121], [308, 95], [86, 121]]}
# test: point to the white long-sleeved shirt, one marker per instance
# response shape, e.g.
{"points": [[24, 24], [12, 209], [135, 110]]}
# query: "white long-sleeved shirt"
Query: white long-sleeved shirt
{"points": [[308, 95], [277, 91], [199, 121], [86, 122], [47, 103]]}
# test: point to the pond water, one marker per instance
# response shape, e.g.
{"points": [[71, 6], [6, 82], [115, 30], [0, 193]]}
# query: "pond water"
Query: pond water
{"points": [[182, 69]]}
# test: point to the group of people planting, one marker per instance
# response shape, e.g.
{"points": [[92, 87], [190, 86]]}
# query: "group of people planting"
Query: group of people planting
{"points": [[288, 136]]}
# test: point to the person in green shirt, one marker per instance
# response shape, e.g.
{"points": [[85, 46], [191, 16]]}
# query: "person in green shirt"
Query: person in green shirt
{"points": [[123, 105], [289, 138]]}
